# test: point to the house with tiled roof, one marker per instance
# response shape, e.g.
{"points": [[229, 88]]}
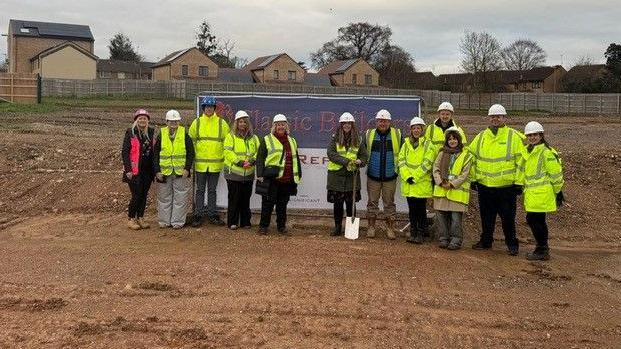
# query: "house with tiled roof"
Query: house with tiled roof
{"points": [[186, 64], [115, 69], [277, 68], [54, 50], [351, 72]]}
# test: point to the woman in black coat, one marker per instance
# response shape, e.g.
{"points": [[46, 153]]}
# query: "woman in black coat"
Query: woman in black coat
{"points": [[138, 171]]}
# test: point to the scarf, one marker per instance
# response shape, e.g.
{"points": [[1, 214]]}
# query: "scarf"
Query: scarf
{"points": [[448, 158]]}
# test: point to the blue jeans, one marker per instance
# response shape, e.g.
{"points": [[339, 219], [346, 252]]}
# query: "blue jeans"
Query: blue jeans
{"points": [[209, 180]]}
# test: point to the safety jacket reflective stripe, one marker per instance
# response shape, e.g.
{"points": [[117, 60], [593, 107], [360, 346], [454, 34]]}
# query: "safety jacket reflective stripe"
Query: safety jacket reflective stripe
{"points": [[462, 193], [172, 153], [497, 156], [276, 155], [350, 153]]}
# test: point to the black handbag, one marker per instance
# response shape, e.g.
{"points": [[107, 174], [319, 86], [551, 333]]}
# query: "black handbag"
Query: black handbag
{"points": [[262, 187], [271, 171]]}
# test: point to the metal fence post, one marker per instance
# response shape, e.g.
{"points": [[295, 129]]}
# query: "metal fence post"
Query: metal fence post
{"points": [[601, 104]]}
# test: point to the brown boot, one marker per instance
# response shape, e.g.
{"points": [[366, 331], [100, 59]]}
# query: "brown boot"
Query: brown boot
{"points": [[390, 226], [143, 224], [371, 228], [133, 224]]}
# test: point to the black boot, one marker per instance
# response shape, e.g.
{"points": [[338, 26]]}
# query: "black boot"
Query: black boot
{"points": [[412, 236], [541, 253], [337, 231]]}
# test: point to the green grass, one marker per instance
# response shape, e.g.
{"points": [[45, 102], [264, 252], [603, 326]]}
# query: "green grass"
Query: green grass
{"points": [[119, 102], [42, 108]]}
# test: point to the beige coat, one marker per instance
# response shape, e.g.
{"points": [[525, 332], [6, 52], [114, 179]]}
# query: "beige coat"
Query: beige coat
{"points": [[442, 203]]}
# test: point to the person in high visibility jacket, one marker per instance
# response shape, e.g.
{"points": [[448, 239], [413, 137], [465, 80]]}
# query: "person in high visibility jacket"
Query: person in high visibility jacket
{"points": [[207, 133], [172, 160], [435, 132], [240, 156], [415, 164], [279, 168], [138, 171], [346, 154], [541, 173], [497, 152], [383, 144], [451, 192]]}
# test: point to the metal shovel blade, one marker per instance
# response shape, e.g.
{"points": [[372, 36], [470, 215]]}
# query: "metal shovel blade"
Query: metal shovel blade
{"points": [[352, 227]]}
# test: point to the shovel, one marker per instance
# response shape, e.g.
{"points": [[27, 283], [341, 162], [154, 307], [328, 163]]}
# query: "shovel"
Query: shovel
{"points": [[352, 224]]}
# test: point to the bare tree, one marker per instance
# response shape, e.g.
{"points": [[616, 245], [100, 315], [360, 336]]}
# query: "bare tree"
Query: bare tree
{"points": [[396, 66], [480, 54], [523, 54], [356, 40], [583, 60]]}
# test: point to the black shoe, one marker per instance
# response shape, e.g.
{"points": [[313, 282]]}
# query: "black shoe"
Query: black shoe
{"points": [[197, 221], [215, 220], [262, 231], [283, 231], [336, 231], [513, 250], [539, 254], [481, 246], [443, 244]]}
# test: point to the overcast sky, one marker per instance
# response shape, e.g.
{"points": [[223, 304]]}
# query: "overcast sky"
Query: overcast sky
{"points": [[429, 30]]}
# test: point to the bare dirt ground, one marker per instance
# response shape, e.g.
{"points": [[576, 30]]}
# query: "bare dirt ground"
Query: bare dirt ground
{"points": [[72, 275]]}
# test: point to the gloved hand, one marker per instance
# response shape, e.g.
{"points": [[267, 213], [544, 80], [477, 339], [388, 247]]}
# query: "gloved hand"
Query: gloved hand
{"points": [[410, 180], [518, 189], [560, 199], [474, 186], [351, 166]]}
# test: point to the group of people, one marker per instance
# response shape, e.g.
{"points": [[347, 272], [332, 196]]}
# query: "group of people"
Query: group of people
{"points": [[431, 162]]}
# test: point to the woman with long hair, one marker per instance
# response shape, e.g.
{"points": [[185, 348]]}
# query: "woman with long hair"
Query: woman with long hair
{"points": [[138, 171], [346, 154], [240, 156]]}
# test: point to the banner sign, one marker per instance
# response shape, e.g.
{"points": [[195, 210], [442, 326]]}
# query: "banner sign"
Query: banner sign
{"points": [[313, 120]]}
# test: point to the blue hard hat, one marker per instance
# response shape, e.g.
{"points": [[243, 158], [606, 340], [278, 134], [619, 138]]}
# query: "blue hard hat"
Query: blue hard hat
{"points": [[208, 101]]}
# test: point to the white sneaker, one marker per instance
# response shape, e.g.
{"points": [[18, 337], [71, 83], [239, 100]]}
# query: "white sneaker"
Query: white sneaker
{"points": [[233, 227]]}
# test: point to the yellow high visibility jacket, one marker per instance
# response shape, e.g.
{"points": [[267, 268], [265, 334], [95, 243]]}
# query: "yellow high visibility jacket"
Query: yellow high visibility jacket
{"points": [[436, 135], [276, 157], [395, 138], [417, 163], [462, 193], [238, 149], [207, 133], [350, 153], [172, 153], [541, 174], [497, 157]]}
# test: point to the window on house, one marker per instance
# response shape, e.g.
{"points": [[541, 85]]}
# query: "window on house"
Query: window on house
{"points": [[291, 75], [536, 84], [203, 71], [184, 70], [275, 74], [368, 80], [354, 79], [121, 75]]}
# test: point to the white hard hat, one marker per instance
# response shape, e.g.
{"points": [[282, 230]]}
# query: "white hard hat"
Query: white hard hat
{"points": [[173, 115], [453, 129], [446, 106], [496, 109], [279, 117], [533, 127], [383, 115], [347, 117], [241, 114], [417, 121]]}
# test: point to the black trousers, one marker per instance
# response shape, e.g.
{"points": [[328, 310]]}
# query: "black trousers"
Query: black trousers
{"points": [[338, 211], [497, 202], [279, 196], [238, 211], [417, 211], [537, 223], [139, 187]]}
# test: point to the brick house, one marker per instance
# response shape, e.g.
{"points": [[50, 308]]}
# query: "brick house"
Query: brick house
{"points": [[539, 79], [115, 69], [185, 64], [351, 72], [423, 81], [278, 68], [65, 50]]}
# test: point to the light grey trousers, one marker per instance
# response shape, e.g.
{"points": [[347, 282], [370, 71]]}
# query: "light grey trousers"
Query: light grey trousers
{"points": [[449, 226], [172, 201]]}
